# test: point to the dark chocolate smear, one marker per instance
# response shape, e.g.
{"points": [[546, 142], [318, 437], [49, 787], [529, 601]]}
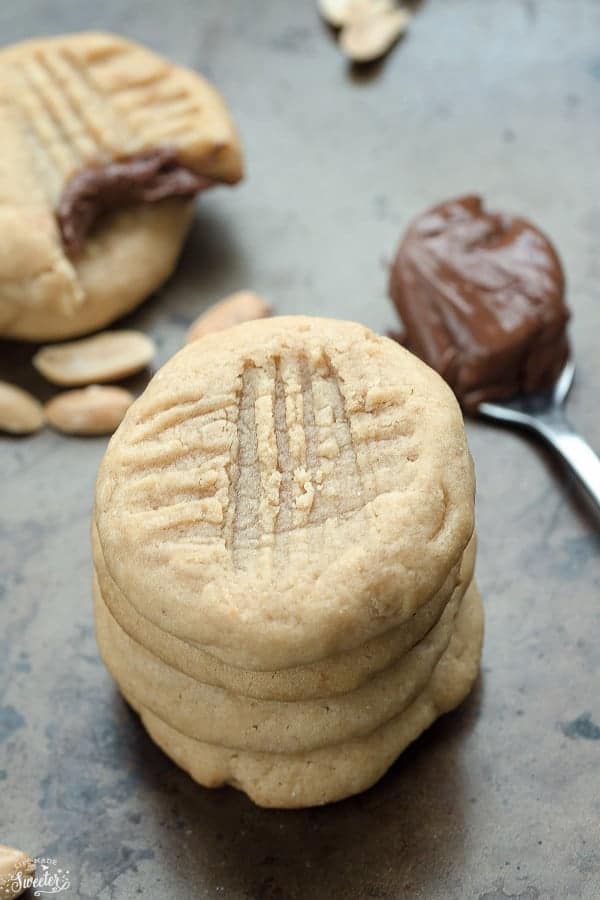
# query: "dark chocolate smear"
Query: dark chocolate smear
{"points": [[144, 178], [481, 297]]}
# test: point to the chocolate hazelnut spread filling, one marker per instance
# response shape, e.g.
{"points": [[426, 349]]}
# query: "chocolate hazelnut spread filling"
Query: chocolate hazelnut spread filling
{"points": [[481, 297], [144, 178]]}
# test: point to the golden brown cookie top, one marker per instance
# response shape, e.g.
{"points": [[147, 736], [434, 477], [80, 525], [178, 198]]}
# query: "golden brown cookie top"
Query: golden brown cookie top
{"points": [[285, 490], [86, 101], [94, 97]]}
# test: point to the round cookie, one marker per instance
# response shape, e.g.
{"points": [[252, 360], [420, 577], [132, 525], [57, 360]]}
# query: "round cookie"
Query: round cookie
{"points": [[126, 259], [285, 491], [94, 106], [335, 675], [332, 773]]}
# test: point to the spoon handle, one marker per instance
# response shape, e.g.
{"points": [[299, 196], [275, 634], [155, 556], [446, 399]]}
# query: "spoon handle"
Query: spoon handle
{"points": [[574, 450]]}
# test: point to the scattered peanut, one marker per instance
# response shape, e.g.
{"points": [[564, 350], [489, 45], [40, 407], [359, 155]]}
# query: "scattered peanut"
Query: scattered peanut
{"points": [[20, 413], [15, 868], [370, 35], [105, 357], [243, 306], [338, 13], [94, 410]]}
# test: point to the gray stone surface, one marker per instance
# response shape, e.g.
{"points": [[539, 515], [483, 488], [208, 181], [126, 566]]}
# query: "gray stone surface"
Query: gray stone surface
{"points": [[500, 799]]}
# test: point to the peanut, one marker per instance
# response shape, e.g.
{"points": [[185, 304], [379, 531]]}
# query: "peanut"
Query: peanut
{"points": [[20, 413], [372, 34], [93, 410], [104, 357], [15, 868], [243, 306]]}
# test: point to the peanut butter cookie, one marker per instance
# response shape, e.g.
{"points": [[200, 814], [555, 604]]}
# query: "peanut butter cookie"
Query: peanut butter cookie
{"points": [[105, 144], [286, 490]]}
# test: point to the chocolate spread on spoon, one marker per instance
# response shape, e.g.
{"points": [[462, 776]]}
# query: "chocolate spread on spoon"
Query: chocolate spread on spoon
{"points": [[481, 297], [144, 178]]}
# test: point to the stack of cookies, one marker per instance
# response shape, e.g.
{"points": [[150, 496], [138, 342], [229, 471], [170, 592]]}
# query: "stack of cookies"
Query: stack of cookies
{"points": [[284, 553]]}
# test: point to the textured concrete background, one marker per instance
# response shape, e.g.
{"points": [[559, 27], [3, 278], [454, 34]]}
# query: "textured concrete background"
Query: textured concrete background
{"points": [[500, 799]]}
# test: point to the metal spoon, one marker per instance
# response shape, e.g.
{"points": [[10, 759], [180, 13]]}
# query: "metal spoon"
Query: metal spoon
{"points": [[544, 413]]}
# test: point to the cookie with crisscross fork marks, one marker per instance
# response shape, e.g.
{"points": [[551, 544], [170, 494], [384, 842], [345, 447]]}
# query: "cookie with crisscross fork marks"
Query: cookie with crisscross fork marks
{"points": [[104, 145], [284, 491]]}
